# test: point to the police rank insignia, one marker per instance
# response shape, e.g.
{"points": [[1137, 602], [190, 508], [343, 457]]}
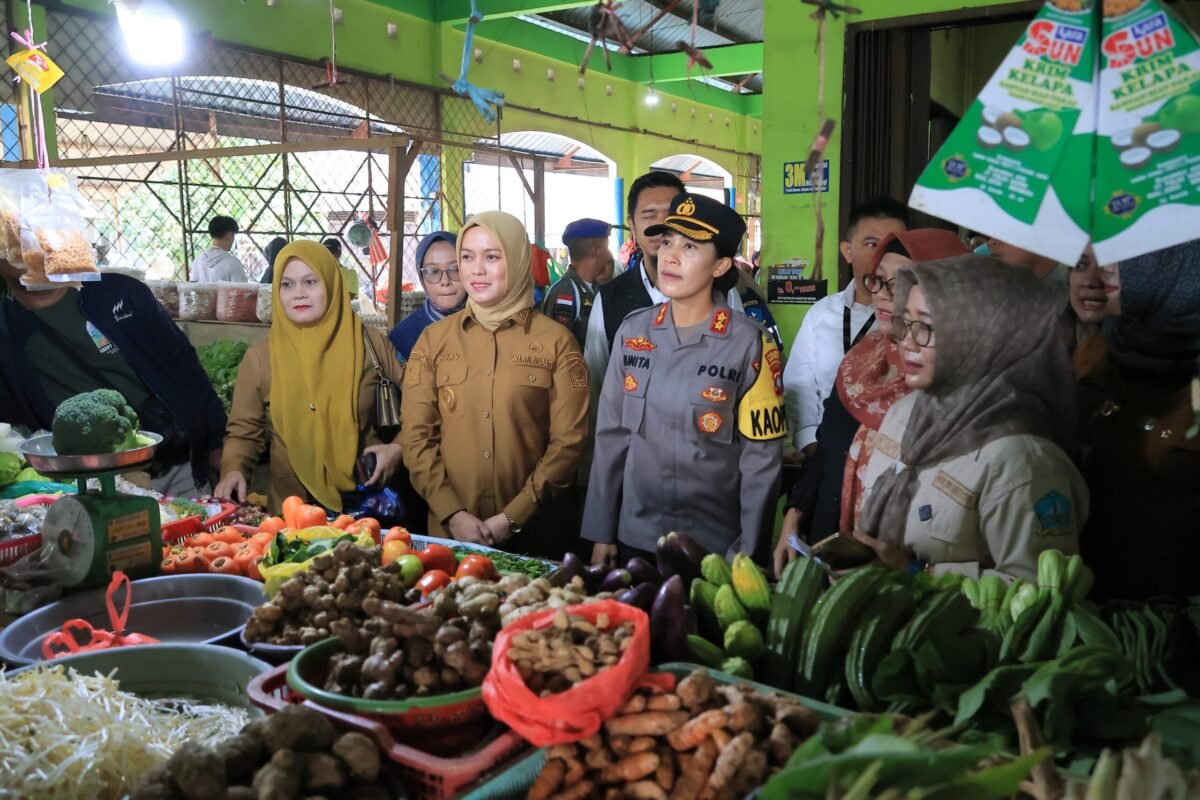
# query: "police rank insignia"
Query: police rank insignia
{"points": [[662, 314], [714, 394], [709, 422], [720, 321], [631, 383], [640, 344]]}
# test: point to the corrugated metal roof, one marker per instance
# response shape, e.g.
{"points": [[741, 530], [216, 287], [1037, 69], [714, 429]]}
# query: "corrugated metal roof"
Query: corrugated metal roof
{"points": [[681, 164], [549, 144]]}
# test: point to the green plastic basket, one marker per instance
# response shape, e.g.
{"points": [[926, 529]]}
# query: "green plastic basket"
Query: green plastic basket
{"points": [[518, 777], [308, 671]]}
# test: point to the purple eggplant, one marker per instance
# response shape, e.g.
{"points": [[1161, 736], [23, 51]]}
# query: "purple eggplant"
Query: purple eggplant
{"points": [[668, 622], [643, 571], [572, 565], [593, 576], [687, 555], [664, 555], [616, 581], [641, 596]]}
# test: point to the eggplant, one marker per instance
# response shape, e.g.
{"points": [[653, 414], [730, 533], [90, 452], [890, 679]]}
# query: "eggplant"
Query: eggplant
{"points": [[687, 555], [593, 576], [665, 557], [643, 571], [572, 565], [668, 622], [616, 581], [641, 596]]}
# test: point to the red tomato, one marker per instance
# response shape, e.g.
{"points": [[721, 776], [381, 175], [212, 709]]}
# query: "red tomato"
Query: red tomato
{"points": [[438, 557], [243, 560], [310, 517], [432, 581], [342, 522], [398, 534], [393, 550], [480, 567], [272, 524], [252, 569]]}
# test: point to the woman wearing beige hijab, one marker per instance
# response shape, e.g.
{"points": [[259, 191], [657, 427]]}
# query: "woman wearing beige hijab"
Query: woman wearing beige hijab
{"points": [[496, 405]]}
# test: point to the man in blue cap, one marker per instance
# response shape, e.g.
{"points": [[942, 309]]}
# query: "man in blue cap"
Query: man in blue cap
{"points": [[570, 300]]}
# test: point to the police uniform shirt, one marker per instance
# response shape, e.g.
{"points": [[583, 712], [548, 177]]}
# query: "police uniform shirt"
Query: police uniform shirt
{"points": [[992, 510], [670, 449], [569, 302]]}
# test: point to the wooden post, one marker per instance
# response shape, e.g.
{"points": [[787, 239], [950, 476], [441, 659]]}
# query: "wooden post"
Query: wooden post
{"points": [[399, 163], [539, 201]]}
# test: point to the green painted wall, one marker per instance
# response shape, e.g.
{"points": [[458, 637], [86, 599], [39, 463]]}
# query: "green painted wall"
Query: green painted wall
{"points": [[790, 123]]}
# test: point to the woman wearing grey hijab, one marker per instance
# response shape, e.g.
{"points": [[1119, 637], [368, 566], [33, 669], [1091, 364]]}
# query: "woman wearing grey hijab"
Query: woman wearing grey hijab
{"points": [[971, 471]]}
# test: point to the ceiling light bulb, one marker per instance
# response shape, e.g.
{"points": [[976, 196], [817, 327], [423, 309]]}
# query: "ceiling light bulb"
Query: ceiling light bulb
{"points": [[153, 33], [652, 98]]}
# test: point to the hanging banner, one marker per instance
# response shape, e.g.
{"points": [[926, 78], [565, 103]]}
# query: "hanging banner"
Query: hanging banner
{"points": [[1018, 165], [1148, 150]]}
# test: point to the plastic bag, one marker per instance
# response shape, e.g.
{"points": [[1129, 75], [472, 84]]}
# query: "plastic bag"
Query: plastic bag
{"points": [[580, 711], [54, 243], [274, 576], [383, 505], [66, 641]]}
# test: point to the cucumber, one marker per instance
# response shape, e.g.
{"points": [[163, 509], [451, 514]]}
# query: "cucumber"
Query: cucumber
{"points": [[727, 608], [792, 603], [832, 617], [716, 570], [704, 652], [884, 615], [703, 597]]}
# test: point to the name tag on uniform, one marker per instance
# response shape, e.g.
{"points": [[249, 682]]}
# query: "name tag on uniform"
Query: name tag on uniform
{"points": [[102, 342], [960, 494], [887, 445]]}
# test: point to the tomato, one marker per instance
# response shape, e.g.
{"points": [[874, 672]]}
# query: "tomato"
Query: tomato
{"points": [[410, 569], [252, 569], [432, 581], [289, 510], [342, 522], [167, 567], [438, 557], [480, 567], [218, 550], [224, 566], [261, 540], [393, 550], [372, 524], [201, 540], [310, 517], [272, 524], [398, 534]]}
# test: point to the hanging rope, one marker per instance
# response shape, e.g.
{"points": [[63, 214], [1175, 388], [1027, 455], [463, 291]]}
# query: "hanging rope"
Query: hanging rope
{"points": [[486, 100], [37, 125]]}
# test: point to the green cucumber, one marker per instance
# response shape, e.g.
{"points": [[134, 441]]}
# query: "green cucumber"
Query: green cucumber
{"points": [[884, 616], [833, 615], [704, 652], [727, 608], [792, 603], [703, 596], [716, 570]]}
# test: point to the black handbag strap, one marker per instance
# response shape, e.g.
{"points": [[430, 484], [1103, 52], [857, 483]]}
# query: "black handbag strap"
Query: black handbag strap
{"points": [[379, 373]]}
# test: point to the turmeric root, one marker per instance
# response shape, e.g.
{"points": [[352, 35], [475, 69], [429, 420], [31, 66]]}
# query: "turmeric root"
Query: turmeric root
{"points": [[693, 732], [548, 780], [642, 743], [599, 759], [664, 776], [575, 772], [664, 702], [720, 737], [630, 768], [578, 792], [645, 790], [694, 771], [648, 723], [695, 690], [634, 705], [728, 763]]}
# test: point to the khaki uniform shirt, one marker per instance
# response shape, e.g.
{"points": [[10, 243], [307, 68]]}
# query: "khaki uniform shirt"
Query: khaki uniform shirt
{"points": [[670, 453], [250, 429], [494, 421], [993, 510]]}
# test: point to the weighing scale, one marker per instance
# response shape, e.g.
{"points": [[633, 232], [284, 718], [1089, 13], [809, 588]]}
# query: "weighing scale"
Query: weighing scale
{"points": [[95, 533]]}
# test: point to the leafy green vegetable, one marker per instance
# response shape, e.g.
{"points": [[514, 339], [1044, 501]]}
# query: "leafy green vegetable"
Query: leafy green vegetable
{"points": [[10, 468], [508, 562], [221, 361], [93, 423]]}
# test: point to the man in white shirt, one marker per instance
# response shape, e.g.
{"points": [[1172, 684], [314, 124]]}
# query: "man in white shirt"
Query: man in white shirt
{"points": [[837, 322], [217, 263]]}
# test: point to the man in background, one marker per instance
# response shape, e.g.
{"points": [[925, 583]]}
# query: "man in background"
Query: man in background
{"points": [[349, 274], [217, 263], [1047, 269], [570, 300], [837, 322]]}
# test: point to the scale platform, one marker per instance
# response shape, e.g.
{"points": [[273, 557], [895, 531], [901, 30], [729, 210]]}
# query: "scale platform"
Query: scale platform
{"points": [[95, 533]]}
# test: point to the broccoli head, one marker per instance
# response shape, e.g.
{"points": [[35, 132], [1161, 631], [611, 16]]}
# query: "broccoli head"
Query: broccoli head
{"points": [[93, 423]]}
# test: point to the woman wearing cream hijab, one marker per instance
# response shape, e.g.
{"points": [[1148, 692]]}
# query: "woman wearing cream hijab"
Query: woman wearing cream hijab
{"points": [[308, 389], [495, 405]]}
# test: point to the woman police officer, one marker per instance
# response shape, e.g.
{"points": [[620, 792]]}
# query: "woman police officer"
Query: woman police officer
{"points": [[690, 424]]}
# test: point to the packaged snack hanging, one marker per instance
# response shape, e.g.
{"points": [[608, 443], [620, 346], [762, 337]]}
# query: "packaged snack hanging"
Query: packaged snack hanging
{"points": [[54, 243], [67, 641], [14, 185]]}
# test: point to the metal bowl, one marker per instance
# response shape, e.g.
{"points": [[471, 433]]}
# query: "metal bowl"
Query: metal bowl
{"points": [[190, 609], [39, 452], [271, 653]]}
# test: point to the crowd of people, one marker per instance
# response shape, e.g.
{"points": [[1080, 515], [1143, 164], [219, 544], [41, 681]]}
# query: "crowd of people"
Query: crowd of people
{"points": [[955, 408]]}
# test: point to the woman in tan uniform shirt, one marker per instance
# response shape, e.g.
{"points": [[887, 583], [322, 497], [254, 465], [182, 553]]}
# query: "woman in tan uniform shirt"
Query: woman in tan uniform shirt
{"points": [[309, 389], [496, 405]]}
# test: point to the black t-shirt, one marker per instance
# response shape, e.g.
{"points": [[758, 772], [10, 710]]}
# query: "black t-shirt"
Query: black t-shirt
{"points": [[92, 357]]}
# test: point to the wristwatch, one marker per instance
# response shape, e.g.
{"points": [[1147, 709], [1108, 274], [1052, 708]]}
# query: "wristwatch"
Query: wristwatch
{"points": [[513, 527]]}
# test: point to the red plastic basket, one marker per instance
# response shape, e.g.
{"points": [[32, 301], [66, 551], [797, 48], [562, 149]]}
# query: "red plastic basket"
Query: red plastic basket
{"points": [[182, 529], [427, 775], [11, 550]]}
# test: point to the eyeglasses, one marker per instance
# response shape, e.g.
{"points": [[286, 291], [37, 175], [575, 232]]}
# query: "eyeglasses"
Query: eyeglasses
{"points": [[436, 276], [876, 284], [922, 332]]}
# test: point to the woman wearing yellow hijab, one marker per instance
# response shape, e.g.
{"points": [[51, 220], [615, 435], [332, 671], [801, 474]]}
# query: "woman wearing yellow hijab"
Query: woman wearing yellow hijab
{"points": [[308, 389], [495, 405]]}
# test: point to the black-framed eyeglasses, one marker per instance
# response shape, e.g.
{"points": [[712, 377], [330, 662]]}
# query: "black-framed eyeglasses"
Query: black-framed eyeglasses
{"points": [[436, 276], [922, 332], [876, 284]]}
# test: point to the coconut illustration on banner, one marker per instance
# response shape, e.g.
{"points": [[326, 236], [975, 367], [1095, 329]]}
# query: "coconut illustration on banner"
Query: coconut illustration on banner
{"points": [[1147, 191], [1018, 165]]}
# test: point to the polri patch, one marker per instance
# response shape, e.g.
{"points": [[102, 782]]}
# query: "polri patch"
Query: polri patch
{"points": [[715, 394], [710, 422], [640, 344], [662, 315], [631, 383]]}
